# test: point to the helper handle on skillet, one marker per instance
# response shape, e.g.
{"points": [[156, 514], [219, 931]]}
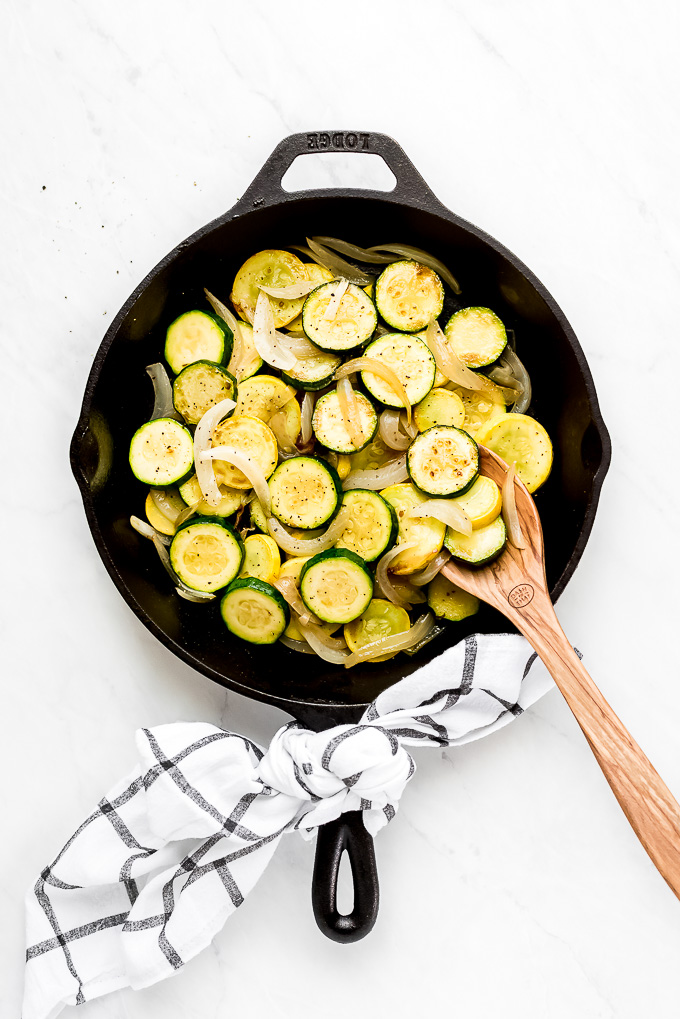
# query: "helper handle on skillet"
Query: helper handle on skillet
{"points": [[515, 584], [266, 187], [346, 834]]}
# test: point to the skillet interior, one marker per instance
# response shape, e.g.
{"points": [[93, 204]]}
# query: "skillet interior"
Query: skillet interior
{"points": [[119, 398]]}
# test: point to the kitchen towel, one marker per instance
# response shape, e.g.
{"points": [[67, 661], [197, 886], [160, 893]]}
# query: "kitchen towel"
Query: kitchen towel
{"points": [[153, 873]]}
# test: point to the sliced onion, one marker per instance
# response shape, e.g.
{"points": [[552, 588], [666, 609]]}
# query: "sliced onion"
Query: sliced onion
{"points": [[510, 514], [390, 431], [297, 344], [408, 594], [163, 407], [291, 292], [296, 645], [278, 423], [353, 250], [391, 473], [449, 363], [397, 642], [265, 339], [337, 265], [238, 352], [186, 513], [335, 643], [202, 439], [445, 510], [435, 631], [349, 409], [375, 367], [306, 546], [186, 592], [247, 466], [384, 581], [163, 504], [522, 375], [289, 589], [147, 531], [307, 411], [336, 298], [427, 574], [408, 251], [320, 647]]}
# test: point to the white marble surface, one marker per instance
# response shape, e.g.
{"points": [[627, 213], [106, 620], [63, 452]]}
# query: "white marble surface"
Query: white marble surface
{"points": [[511, 883]]}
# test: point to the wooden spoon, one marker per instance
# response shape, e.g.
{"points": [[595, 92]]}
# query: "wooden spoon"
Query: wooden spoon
{"points": [[515, 584]]}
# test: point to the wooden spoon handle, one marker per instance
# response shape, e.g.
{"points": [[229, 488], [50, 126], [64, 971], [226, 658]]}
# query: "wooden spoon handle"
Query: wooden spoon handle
{"points": [[645, 799]]}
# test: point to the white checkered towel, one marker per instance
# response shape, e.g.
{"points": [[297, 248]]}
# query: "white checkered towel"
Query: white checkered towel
{"points": [[152, 874]]}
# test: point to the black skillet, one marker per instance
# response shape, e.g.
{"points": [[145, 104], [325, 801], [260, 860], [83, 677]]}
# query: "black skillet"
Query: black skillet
{"points": [[118, 398]]}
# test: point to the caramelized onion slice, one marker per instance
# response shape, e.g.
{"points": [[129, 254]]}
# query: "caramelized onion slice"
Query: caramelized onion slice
{"points": [[445, 510], [306, 546], [334, 304], [297, 645], [398, 642], [390, 430], [288, 588], [268, 346], [510, 514], [147, 531], [430, 571], [328, 654], [163, 504], [306, 413], [350, 412], [383, 579], [375, 367], [205, 473], [163, 406], [291, 292], [250, 468], [186, 592], [392, 473], [424, 257], [354, 251], [336, 264]]}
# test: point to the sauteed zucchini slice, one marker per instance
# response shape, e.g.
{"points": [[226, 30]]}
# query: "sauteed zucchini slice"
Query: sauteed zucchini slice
{"points": [[450, 602], [206, 553], [372, 525], [261, 396], [440, 407], [254, 439], [353, 322], [521, 440], [443, 460], [477, 336], [412, 361], [482, 502], [336, 585], [262, 558], [161, 452], [305, 491], [199, 386], [254, 611], [481, 408], [314, 371], [257, 516], [409, 295], [381, 619], [481, 546], [271, 268], [196, 336], [427, 532], [331, 430], [231, 501]]}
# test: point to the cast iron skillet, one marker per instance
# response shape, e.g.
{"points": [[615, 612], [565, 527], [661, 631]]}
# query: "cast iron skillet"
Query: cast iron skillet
{"points": [[118, 398]]}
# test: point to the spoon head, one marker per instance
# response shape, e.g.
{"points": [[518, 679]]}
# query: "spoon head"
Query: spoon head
{"points": [[515, 573]]}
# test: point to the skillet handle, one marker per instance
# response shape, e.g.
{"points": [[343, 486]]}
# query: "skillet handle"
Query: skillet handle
{"points": [[266, 187], [346, 833]]}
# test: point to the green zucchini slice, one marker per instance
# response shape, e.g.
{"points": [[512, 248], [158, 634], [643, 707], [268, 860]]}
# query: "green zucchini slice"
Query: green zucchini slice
{"points": [[231, 500], [314, 371], [306, 492], [443, 461], [161, 452], [477, 336], [254, 611], [199, 386], [481, 546], [409, 295], [257, 516], [328, 423], [410, 358], [206, 553], [372, 527], [336, 585], [353, 324], [196, 336], [450, 602]]}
